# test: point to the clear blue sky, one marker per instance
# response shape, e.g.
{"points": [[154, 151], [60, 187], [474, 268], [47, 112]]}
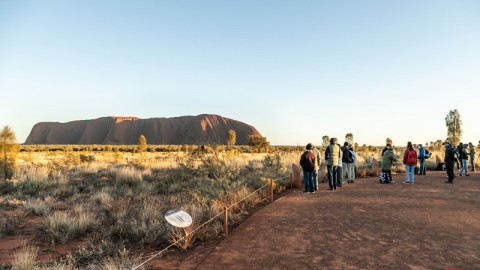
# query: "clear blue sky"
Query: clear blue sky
{"points": [[296, 70]]}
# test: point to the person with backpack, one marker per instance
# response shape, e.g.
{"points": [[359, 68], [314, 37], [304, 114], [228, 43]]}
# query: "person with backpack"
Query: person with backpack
{"points": [[350, 161], [388, 159], [410, 161], [307, 161], [421, 158], [332, 154], [449, 161], [464, 158], [472, 156]]}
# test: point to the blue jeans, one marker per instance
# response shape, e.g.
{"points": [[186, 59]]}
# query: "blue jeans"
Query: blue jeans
{"points": [[315, 180], [465, 167], [410, 171], [308, 181], [422, 166]]}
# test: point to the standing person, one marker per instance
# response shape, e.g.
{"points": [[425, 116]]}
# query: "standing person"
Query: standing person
{"points": [[340, 167], [421, 158], [332, 154], [316, 169], [351, 164], [449, 161], [387, 161], [345, 151], [472, 156], [410, 161], [464, 158], [307, 161], [458, 150]]}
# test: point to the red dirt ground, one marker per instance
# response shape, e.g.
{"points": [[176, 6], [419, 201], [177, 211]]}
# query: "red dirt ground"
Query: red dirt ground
{"points": [[366, 225]]}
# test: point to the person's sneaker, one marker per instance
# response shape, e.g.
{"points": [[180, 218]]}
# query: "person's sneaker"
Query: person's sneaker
{"points": [[467, 174], [406, 182], [412, 183], [392, 182], [312, 192]]}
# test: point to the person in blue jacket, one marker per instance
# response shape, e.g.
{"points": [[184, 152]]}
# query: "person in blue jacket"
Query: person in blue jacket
{"points": [[421, 158]]}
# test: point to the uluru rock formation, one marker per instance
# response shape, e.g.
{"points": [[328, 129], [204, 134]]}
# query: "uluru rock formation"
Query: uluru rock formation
{"points": [[200, 129]]}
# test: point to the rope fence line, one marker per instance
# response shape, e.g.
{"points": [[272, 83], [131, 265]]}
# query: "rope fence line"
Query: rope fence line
{"points": [[225, 212]]}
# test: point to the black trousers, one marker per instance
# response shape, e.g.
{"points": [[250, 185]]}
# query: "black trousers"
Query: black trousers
{"points": [[332, 176], [389, 176], [450, 173]]}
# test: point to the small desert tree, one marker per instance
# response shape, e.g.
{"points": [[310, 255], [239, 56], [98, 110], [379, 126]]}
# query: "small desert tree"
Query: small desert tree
{"points": [[454, 126], [231, 137], [142, 144], [8, 151], [258, 143], [349, 138], [325, 140]]}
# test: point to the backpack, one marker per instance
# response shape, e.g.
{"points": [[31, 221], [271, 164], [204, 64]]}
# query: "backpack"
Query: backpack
{"points": [[455, 152], [427, 154], [307, 161], [351, 158], [411, 159]]}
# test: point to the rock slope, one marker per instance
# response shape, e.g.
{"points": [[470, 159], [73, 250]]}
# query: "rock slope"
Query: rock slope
{"points": [[193, 130]]}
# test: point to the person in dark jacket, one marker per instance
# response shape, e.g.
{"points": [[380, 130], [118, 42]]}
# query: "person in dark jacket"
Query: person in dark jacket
{"points": [[449, 161], [307, 161], [464, 158]]}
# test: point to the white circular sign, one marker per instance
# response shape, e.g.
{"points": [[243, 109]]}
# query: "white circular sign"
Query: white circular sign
{"points": [[178, 218]]}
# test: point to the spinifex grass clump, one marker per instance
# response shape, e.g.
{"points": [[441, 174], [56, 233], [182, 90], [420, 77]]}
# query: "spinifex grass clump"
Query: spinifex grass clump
{"points": [[111, 205]]}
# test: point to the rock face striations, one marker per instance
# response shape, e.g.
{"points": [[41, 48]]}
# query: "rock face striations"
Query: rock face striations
{"points": [[193, 130]]}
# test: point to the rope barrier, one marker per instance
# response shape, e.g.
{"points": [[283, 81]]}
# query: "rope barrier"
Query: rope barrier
{"points": [[205, 223]]}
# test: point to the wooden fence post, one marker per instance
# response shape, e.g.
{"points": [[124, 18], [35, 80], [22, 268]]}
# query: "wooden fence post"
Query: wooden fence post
{"points": [[271, 190], [225, 222]]}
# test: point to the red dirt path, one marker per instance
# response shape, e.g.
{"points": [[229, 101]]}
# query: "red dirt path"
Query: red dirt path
{"points": [[366, 225]]}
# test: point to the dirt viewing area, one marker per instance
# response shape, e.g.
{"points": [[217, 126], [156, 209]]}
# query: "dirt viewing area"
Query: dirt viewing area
{"points": [[365, 225]]}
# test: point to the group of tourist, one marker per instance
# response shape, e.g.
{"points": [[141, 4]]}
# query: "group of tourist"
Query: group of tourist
{"points": [[340, 162], [460, 156], [340, 165]]}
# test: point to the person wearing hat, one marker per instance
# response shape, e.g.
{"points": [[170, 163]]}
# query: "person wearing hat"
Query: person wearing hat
{"points": [[449, 161]]}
